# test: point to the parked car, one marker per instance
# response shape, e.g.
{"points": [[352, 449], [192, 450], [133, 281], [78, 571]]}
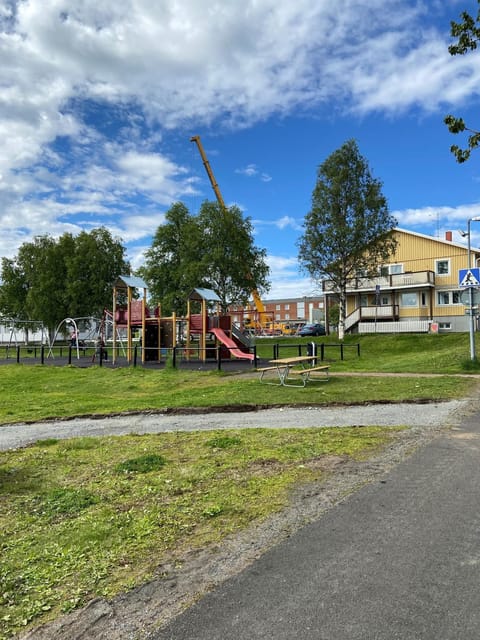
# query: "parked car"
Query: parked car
{"points": [[312, 330]]}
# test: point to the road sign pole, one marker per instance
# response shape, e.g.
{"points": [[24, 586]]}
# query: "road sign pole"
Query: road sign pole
{"points": [[472, 317], [472, 327]]}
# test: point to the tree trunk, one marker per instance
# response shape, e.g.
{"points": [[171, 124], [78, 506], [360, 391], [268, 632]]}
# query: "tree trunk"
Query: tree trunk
{"points": [[341, 315]]}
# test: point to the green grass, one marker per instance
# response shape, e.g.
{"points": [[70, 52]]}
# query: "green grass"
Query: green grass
{"points": [[95, 516], [404, 353], [35, 392]]}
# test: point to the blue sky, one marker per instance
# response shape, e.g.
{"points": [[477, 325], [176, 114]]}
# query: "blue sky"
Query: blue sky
{"points": [[99, 99]]}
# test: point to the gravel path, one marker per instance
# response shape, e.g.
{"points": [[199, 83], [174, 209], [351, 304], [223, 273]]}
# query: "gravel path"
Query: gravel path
{"points": [[183, 580], [409, 414]]}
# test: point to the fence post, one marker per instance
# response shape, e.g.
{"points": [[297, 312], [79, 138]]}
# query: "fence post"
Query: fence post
{"points": [[18, 354], [255, 356], [42, 354], [219, 358], [174, 357], [70, 354], [135, 356]]}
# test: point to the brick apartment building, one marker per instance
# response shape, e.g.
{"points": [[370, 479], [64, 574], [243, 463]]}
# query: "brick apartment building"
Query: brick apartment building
{"points": [[308, 309]]}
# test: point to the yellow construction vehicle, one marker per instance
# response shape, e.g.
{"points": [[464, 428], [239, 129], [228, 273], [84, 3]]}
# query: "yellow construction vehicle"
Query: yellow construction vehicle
{"points": [[261, 315]]}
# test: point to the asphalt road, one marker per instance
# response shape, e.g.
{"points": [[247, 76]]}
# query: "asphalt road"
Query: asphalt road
{"points": [[397, 560]]}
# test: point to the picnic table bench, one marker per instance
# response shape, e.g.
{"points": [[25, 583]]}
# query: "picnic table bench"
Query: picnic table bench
{"points": [[305, 374], [283, 368]]}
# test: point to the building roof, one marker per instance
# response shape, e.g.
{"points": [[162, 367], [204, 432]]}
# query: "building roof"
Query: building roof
{"points": [[433, 239]]}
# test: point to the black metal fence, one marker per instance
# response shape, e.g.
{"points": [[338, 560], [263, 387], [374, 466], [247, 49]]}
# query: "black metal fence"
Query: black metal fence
{"points": [[314, 349], [215, 357]]}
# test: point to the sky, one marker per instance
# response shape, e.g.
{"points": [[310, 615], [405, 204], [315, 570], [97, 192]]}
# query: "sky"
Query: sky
{"points": [[99, 100]]}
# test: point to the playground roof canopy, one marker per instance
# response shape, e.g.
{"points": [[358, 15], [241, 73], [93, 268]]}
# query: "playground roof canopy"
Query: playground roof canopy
{"points": [[204, 294], [130, 281]]}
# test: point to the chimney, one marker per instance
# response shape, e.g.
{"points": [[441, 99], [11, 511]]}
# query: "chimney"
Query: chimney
{"points": [[448, 236]]}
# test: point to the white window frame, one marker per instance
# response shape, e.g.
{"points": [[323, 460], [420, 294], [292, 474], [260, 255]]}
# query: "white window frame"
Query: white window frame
{"points": [[408, 293], [451, 294], [438, 262], [395, 269]]}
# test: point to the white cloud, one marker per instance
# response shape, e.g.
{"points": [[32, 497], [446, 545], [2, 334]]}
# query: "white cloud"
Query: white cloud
{"points": [[165, 65], [445, 217], [252, 171], [285, 279]]}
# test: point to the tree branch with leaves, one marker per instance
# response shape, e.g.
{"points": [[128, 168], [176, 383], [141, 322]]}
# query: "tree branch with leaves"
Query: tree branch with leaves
{"points": [[467, 33]]}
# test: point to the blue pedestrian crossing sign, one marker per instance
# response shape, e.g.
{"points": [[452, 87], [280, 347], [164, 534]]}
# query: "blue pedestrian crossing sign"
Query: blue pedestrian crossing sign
{"points": [[469, 277]]}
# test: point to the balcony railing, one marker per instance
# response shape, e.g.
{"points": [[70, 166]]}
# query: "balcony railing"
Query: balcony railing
{"points": [[393, 281], [383, 312]]}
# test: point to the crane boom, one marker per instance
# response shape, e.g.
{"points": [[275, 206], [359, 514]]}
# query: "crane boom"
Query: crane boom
{"points": [[208, 169], [259, 306]]}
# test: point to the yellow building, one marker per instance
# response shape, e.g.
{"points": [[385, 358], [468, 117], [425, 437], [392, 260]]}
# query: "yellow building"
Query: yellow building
{"points": [[418, 290]]}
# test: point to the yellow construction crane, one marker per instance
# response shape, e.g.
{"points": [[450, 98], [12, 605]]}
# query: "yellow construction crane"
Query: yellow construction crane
{"points": [[259, 306]]}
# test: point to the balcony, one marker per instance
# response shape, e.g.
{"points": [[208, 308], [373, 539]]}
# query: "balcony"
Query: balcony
{"points": [[408, 280], [369, 314]]}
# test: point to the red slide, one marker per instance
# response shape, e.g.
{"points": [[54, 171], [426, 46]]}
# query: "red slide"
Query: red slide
{"points": [[228, 342]]}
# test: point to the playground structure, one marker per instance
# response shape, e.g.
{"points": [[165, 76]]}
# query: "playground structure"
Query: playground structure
{"points": [[156, 335], [131, 329], [82, 329], [22, 331]]}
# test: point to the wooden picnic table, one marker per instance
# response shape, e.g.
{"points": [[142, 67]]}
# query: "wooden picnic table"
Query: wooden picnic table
{"points": [[282, 367]]}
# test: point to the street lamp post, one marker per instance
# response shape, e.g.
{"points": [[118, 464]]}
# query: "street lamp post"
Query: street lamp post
{"points": [[472, 317]]}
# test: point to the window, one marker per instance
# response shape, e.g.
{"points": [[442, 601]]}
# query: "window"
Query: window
{"points": [[287, 307], [448, 297], [442, 267], [445, 326], [395, 268], [408, 299], [385, 300], [423, 297], [287, 316], [277, 307]]}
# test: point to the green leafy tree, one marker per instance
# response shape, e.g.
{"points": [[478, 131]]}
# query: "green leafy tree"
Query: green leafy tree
{"points": [[231, 263], [50, 279], [173, 263], [92, 265], [349, 228], [13, 291], [214, 250], [467, 33]]}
